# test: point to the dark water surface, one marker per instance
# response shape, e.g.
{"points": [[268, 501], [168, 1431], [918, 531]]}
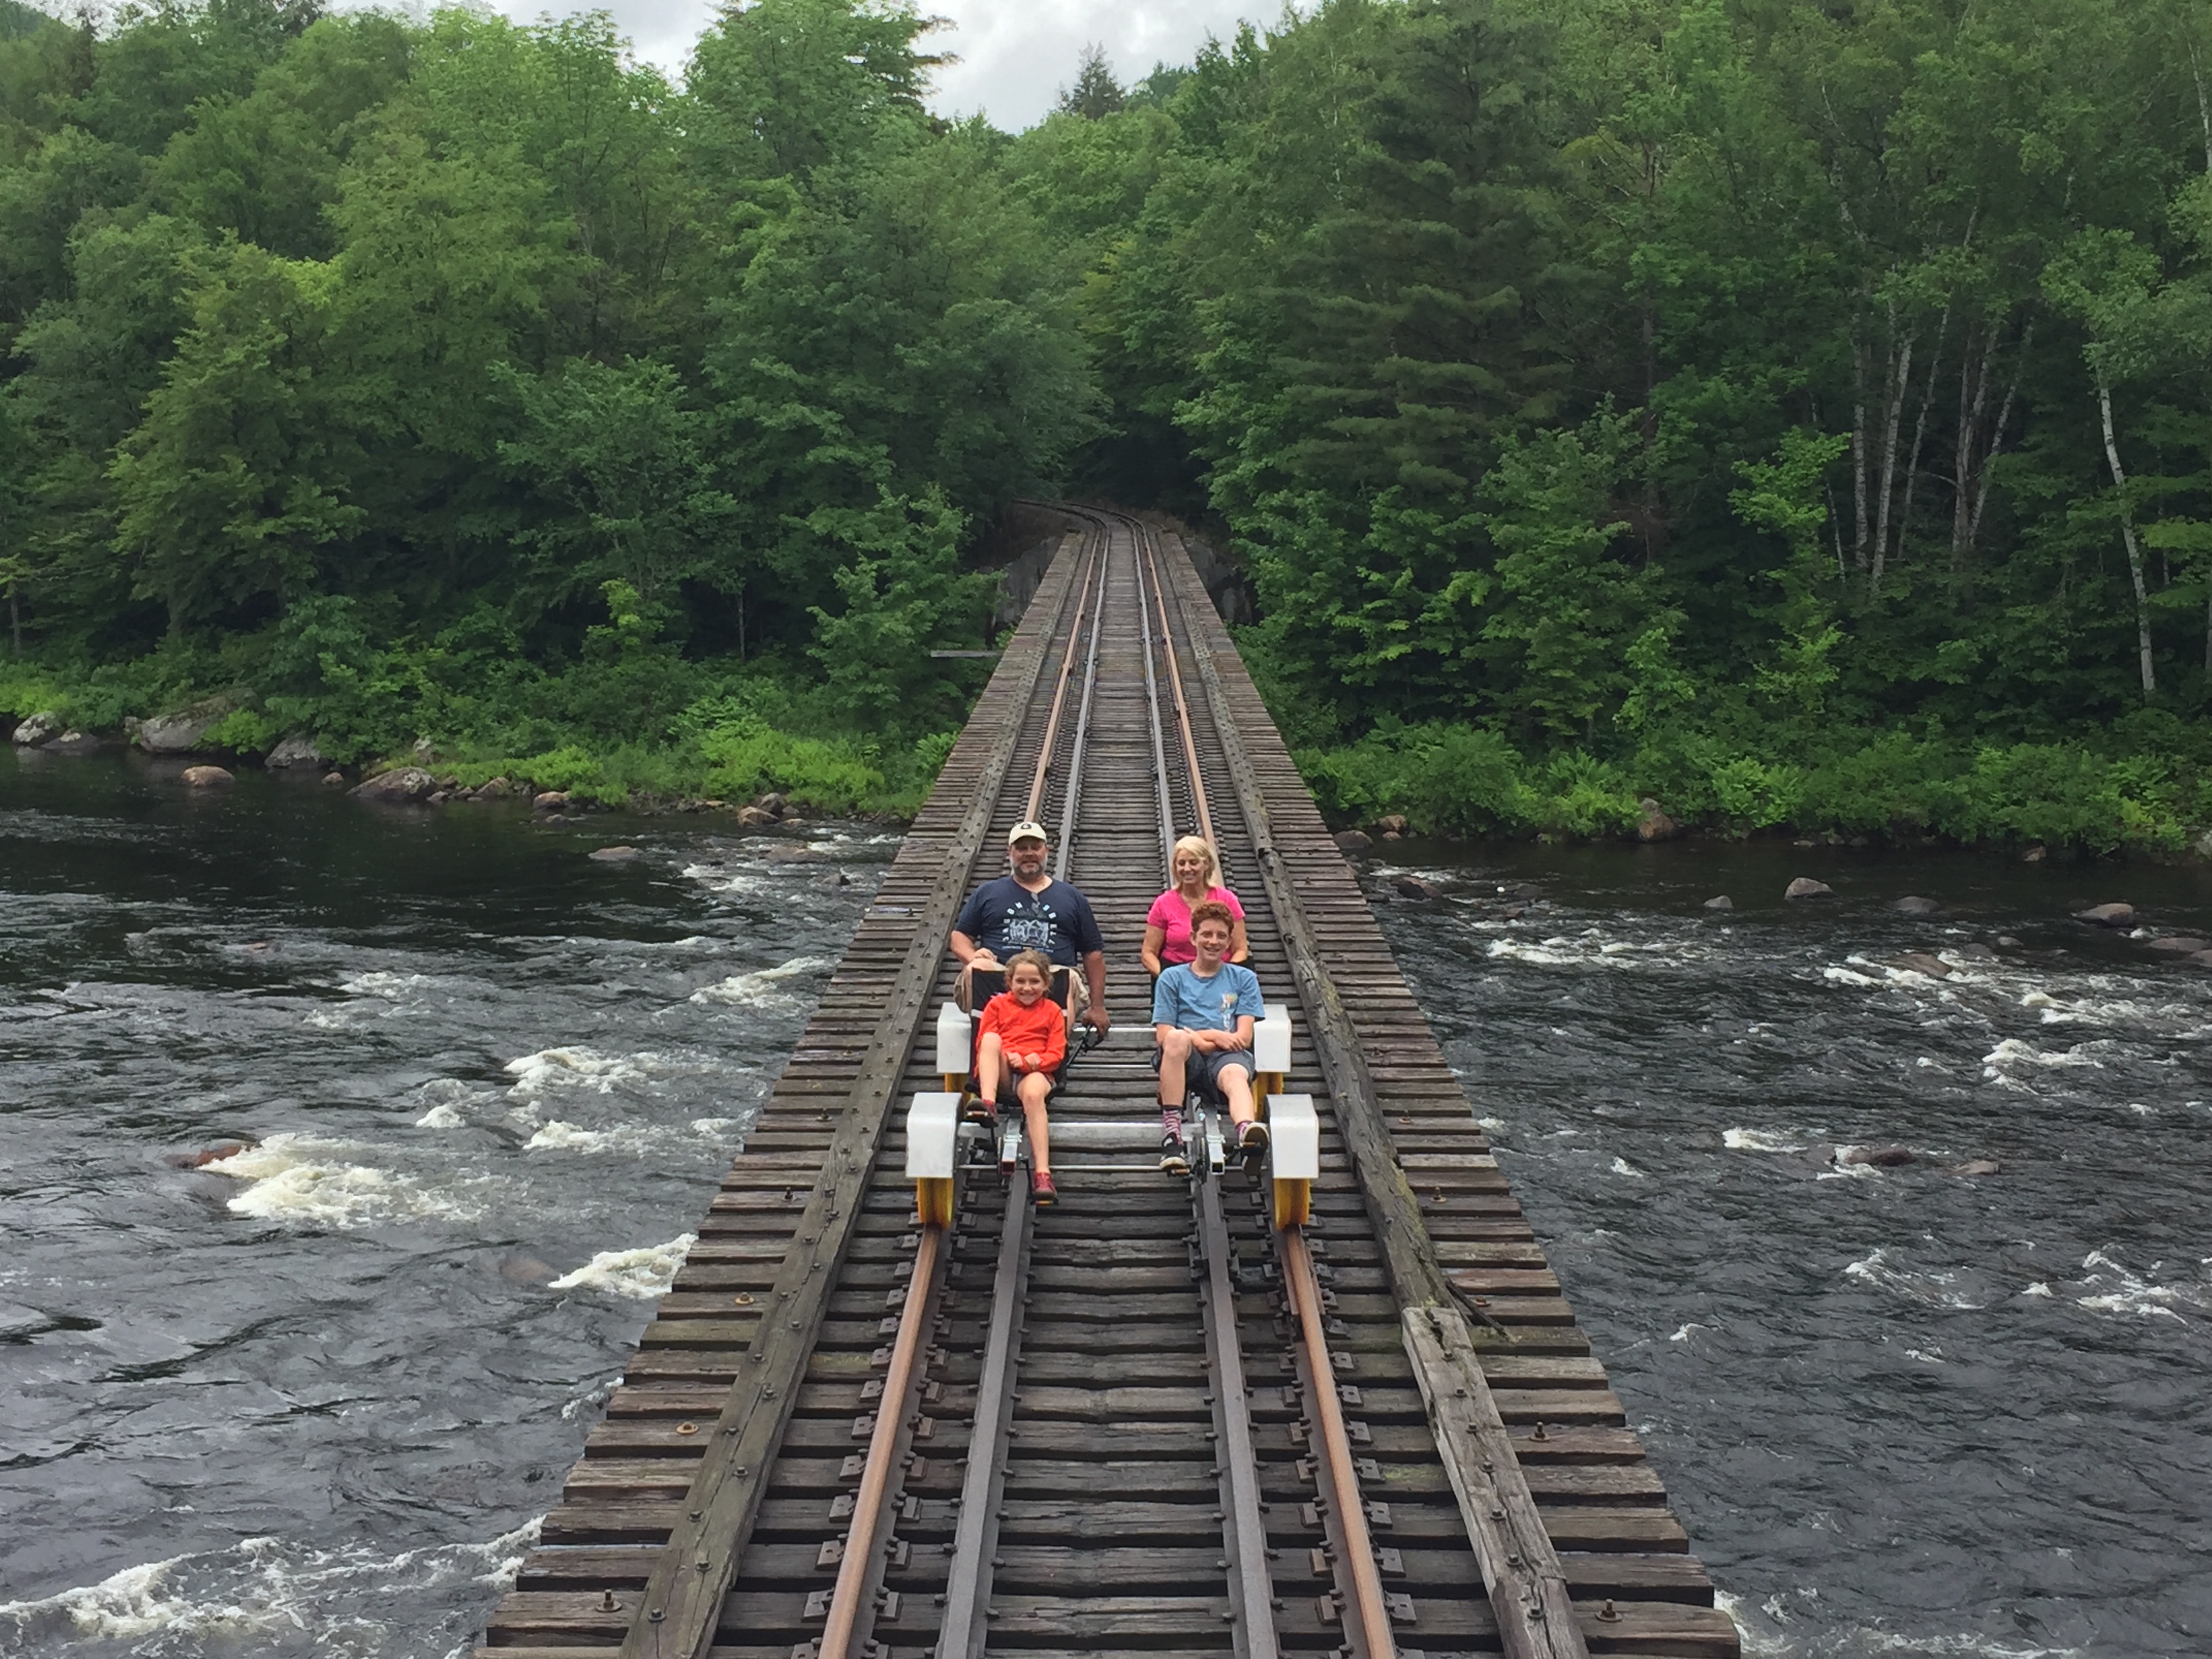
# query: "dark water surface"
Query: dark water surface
{"points": [[313, 1399]]}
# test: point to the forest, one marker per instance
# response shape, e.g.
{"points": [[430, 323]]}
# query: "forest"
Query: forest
{"points": [[1766, 415]]}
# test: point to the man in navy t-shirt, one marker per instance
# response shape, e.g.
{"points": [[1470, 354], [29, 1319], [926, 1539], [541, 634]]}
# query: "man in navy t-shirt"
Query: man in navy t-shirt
{"points": [[1028, 910]]}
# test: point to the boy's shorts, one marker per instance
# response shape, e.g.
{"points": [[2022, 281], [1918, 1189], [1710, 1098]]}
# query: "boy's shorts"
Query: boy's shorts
{"points": [[1201, 1073]]}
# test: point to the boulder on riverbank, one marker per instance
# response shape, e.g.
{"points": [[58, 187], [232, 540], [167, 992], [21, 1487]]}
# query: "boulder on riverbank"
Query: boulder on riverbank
{"points": [[1653, 823], [1806, 888], [180, 731], [1352, 842], [2107, 915], [207, 777], [549, 800], [403, 786], [297, 749], [38, 729]]}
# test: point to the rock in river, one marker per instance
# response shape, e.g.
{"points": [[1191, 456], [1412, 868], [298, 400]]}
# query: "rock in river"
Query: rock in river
{"points": [[2187, 947], [207, 777], [1413, 887], [402, 786], [38, 729], [1882, 1158], [72, 742], [551, 800], [2107, 915], [1913, 905], [1806, 888], [614, 854], [1919, 961], [1352, 842], [1720, 901]]}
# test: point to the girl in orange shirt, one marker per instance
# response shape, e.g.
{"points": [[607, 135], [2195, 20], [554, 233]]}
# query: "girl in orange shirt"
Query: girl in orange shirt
{"points": [[1024, 1037]]}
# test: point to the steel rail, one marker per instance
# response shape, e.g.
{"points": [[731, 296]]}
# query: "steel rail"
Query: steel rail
{"points": [[677, 1616], [1519, 1566], [1175, 679], [1082, 724], [1159, 751], [860, 1572], [976, 1539], [1373, 1640], [1246, 1552], [861, 1562], [1093, 573]]}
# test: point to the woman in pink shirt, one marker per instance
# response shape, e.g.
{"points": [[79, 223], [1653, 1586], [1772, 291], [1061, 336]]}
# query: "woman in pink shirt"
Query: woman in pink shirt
{"points": [[1167, 925]]}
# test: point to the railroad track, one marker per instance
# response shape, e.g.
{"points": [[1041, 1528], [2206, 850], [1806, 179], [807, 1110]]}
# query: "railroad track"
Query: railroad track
{"points": [[1149, 1417]]}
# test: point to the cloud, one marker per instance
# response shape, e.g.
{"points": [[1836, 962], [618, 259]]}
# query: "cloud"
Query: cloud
{"points": [[1015, 55]]}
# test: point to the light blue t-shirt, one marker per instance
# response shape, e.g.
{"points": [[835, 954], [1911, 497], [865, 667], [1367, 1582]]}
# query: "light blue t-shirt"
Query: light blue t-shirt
{"points": [[1183, 999]]}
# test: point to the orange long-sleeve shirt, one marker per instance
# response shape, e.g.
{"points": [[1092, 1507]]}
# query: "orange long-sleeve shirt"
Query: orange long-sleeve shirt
{"points": [[1040, 1029]]}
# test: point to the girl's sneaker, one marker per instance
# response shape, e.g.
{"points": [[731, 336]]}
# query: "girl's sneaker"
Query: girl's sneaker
{"points": [[1253, 1138], [1042, 1191]]}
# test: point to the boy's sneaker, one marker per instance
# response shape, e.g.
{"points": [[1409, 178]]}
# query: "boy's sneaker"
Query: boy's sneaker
{"points": [[1173, 1160], [1253, 1139]]}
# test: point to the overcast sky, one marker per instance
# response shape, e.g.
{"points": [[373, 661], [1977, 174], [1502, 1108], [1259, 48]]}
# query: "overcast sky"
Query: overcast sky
{"points": [[1015, 55]]}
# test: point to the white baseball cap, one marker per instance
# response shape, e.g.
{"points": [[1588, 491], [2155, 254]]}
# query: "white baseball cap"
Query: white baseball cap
{"points": [[1026, 831]]}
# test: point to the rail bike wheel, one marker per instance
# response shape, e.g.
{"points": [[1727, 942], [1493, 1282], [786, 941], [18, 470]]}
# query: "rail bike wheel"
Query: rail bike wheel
{"points": [[932, 1200], [1293, 1204]]}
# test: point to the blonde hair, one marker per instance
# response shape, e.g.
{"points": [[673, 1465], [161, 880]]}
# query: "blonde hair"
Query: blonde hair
{"points": [[1204, 848]]}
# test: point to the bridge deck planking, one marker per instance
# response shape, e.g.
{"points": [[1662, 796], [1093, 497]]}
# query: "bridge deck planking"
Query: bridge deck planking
{"points": [[1078, 1504]]}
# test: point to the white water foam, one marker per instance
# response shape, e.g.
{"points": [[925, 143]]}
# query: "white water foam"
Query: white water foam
{"points": [[299, 1179], [1762, 1140], [1930, 1288], [263, 1594], [554, 1070], [641, 1273], [450, 1102], [764, 988], [2116, 1290]]}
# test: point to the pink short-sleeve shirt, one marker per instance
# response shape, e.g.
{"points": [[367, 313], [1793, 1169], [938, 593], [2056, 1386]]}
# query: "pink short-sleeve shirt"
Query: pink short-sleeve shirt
{"points": [[1171, 915]]}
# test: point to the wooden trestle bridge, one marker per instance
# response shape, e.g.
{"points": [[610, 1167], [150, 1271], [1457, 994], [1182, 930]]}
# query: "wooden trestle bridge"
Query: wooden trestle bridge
{"points": [[1148, 1419]]}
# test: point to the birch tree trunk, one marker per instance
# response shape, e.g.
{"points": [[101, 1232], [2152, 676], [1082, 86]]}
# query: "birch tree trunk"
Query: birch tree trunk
{"points": [[1973, 399], [1859, 526], [1996, 438], [1920, 433], [2127, 535], [1899, 378]]}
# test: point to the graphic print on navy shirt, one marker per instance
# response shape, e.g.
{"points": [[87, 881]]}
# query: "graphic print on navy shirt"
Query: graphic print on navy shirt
{"points": [[1003, 916]]}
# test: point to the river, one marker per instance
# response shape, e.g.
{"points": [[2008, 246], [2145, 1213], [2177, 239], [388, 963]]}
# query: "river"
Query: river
{"points": [[311, 1399]]}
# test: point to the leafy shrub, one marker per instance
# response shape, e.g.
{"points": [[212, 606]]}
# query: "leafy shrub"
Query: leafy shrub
{"points": [[243, 731]]}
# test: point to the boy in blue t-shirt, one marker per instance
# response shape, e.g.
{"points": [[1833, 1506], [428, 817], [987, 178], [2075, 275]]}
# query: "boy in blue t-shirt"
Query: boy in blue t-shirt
{"points": [[1204, 1013]]}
